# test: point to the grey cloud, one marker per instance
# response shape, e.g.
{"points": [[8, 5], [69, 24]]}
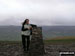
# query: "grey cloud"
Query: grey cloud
{"points": [[40, 12]]}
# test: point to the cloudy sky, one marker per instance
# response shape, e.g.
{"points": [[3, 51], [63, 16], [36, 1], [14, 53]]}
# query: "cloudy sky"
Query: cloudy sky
{"points": [[40, 12]]}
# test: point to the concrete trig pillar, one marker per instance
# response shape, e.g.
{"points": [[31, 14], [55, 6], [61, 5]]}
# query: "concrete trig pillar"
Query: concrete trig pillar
{"points": [[37, 44]]}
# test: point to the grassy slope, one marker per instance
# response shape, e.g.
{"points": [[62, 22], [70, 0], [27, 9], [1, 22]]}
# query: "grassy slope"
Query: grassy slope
{"points": [[60, 40], [57, 40]]}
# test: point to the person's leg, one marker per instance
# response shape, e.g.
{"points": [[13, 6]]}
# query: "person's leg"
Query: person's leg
{"points": [[28, 42], [24, 42]]}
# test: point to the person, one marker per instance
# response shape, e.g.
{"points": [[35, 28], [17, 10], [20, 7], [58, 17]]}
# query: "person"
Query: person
{"points": [[26, 30], [26, 33]]}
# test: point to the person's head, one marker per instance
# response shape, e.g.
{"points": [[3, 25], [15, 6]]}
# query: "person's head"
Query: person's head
{"points": [[26, 21]]}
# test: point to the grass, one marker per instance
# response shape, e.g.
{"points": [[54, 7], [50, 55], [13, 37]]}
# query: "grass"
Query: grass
{"points": [[57, 40], [60, 40], [11, 42]]}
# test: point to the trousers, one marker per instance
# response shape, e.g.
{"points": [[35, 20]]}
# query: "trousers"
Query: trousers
{"points": [[25, 42]]}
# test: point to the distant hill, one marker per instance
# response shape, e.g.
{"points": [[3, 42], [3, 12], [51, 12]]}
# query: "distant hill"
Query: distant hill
{"points": [[10, 33], [58, 31], [14, 32]]}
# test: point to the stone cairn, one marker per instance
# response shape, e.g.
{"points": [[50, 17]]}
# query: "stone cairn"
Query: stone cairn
{"points": [[37, 44]]}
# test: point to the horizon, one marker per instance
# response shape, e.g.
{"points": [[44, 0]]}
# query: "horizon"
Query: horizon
{"points": [[38, 26]]}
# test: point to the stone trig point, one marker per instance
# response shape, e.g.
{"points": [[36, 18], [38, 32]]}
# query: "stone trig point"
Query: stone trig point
{"points": [[37, 44]]}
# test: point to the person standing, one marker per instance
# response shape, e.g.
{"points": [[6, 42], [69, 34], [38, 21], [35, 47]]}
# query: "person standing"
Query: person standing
{"points": [[26, 32]]}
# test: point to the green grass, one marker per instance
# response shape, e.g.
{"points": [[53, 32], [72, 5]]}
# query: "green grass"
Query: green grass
{"points": [[59, 40], [11, 42]]}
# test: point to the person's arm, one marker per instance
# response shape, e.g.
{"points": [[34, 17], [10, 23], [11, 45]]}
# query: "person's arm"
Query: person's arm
{"points": [[33, 26], [24, 29]]}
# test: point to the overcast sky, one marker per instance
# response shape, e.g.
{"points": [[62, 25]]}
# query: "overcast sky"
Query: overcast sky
{"points": [[40, 12]]}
